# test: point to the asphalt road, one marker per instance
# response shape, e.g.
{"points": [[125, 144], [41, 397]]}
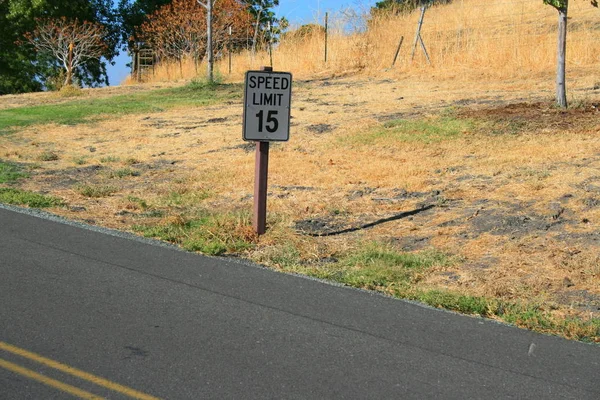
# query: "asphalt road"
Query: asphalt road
{"points": [[118, 318]]}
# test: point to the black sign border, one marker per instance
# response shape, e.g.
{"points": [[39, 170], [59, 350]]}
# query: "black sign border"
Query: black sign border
{"points": [[246, 105]]}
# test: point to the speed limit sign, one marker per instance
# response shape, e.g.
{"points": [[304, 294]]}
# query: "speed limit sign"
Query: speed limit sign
{"points": [[267, 97]]}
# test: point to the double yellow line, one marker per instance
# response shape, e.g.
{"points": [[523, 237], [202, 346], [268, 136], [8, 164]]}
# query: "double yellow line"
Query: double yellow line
{"points": [[115, 387]]}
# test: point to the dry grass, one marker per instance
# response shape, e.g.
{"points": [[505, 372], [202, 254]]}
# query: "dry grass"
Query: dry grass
{"points": [[467, 40], [497, 175]]}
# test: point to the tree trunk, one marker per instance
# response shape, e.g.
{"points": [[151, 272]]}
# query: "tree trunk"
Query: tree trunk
{"points": [[209, 44], [561, 85], [134, 64], [69, 78], [255, 36]]}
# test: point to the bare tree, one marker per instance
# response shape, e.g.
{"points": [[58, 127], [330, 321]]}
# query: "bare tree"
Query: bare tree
{"points": [[174, 30], [177, 30], [71, 42]]}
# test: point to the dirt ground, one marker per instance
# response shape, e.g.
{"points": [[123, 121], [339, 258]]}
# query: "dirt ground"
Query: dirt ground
{"points": [[516, 196]]}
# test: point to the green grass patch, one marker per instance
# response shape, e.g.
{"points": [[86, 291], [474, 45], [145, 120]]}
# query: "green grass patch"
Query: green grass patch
{"points": [[96, 190], [123, 173], [523, 315], [454, 302], [376, 266], [535, 317], [203, 84], [109, 159], [209, 233], [11, 172], [138, 202], [285, 256], [22, 197], [431, 130], [82, 160], [85, 110]]}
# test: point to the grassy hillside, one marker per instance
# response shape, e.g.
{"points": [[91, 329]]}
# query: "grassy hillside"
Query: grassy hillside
{"points": [[467, 40], [475, 201]]}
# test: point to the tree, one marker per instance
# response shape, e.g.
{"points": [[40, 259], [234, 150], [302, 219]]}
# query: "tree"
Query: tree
{"points": [[266, 24], [174, 31], [561, 87], [22, 69], [179, 29], [132, 14], [208, 5], [69, 41], [17, 73]]}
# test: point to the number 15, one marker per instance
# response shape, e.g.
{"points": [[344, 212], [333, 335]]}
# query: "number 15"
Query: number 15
{"points": [[271, 123]]}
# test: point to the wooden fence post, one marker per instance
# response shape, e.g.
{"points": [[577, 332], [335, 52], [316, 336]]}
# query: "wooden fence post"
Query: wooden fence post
{"points": [[326, 33], [418, 37], [398, 50]]}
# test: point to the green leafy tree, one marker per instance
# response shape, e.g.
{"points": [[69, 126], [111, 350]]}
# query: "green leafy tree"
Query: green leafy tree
{"points": [[17, 73], [267, 27], [132, 14], [562, 6]]}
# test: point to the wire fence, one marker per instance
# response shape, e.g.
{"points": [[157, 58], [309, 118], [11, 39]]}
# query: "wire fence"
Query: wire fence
{"points": [[459, 33]]}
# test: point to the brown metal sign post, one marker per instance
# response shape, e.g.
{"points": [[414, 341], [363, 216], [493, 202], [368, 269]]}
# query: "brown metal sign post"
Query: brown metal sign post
{"points": [[261, 172], [267, 99]]}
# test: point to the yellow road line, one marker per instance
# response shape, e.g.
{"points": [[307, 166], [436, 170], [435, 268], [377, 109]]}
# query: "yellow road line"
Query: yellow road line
{"points": [[75, 372], [48, 381]]}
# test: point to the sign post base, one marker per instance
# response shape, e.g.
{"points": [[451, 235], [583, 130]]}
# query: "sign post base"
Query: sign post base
{"points": [[261, 169]]}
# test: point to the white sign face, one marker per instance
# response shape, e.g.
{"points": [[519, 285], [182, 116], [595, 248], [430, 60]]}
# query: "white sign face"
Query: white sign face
{"points": [[267, 97]]}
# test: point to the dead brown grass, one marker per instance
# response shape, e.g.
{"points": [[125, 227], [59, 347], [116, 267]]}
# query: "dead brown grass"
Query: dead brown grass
{"points": [[469, 40], [539, 176]]}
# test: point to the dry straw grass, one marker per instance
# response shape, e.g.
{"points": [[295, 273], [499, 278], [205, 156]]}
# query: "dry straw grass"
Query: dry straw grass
{"points": [[467, 39]]}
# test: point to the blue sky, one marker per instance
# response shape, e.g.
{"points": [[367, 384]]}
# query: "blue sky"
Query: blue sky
{"points": [[309, 11], [298, 12]]}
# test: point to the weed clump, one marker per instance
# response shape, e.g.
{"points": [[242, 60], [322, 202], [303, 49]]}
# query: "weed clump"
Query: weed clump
{"points": [[123, 173], [109, 159], [212, 234], [48, 156], [96, 190], [30, 199], [70, 91]]}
